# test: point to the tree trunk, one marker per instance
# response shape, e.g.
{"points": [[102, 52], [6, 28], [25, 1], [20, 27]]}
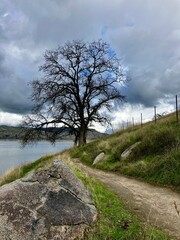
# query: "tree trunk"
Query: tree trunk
{"points": [[76, 140], [82, 136]]}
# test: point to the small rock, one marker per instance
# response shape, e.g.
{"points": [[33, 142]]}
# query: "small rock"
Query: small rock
{"points": [[99, 158], [129, 150]]}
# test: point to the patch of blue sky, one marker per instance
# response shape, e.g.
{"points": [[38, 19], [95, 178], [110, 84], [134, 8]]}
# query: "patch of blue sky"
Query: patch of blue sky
{"points": [[85, 73], [111, 52]]}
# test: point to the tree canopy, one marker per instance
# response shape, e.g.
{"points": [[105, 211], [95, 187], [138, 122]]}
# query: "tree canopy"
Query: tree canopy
{"points": [[79, 80]]}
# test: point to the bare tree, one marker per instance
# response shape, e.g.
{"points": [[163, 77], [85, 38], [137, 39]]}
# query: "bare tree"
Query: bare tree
{"points": [[80, 79]]}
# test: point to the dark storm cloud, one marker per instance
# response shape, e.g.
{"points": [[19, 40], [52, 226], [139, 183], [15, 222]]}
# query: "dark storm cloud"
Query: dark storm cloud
{"points": [[145, 34], [13, 97], [13, 91], [27, 29], [150, 45]]}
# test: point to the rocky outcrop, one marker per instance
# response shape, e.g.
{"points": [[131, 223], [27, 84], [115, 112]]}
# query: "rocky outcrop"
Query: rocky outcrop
{"points": [[129, 150], [50, 203], [99, 158]]}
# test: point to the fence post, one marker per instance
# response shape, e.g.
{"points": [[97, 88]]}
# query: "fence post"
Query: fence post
{"points": [[141, 120], [155, 114], [177, 117], [133, 122]]}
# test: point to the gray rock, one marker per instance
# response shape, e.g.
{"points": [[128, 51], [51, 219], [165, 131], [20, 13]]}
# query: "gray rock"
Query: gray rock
{"points": [[129, 150], [50, 203], [99, 158]]}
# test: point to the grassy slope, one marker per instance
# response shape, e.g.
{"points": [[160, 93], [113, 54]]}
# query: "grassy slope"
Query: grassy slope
{"points": [[156, 159]]}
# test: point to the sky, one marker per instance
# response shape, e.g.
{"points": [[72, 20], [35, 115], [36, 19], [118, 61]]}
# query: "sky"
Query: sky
{"points": [[144, 33]]}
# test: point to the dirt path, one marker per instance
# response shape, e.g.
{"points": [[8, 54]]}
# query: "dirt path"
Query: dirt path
{"points": [[158, 206]]}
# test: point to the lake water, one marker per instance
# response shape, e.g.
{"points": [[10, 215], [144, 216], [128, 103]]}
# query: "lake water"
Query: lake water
{"points": [[12, 155]]}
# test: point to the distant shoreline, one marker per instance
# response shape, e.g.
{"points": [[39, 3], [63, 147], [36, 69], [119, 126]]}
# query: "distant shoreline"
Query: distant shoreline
{"points": [[43, 140]]}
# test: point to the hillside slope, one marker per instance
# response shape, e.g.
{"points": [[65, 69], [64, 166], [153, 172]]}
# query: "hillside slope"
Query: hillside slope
{"points": [[156, 159], [15, 133]]}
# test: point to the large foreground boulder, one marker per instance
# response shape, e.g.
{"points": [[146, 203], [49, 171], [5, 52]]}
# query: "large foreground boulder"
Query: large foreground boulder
{"points": [[50, 203]]}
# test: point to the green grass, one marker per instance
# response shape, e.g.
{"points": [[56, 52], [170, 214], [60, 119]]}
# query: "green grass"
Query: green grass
{"points": [[115, 222], [21, 171], [156, 159]]}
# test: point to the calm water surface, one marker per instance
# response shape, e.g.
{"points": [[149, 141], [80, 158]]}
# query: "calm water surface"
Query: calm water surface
{"points": [[12, 155]]}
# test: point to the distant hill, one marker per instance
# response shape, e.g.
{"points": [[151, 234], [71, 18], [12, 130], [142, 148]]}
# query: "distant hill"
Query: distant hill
{"points": [[15, 133]]}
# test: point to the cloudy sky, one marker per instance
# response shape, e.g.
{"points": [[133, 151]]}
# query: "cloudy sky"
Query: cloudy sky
{"points": [[144, 33]]}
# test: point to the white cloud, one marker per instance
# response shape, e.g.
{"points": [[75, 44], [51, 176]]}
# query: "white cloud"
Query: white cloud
{"points": [[5, 14], [10, 119]]}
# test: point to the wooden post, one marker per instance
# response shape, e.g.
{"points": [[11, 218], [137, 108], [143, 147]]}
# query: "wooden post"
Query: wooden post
{"points": [[133, 122], [141, 120], [155, 114], [177, 117]]}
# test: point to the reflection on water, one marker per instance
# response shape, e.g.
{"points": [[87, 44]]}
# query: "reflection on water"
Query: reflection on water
{"points": [[12, 155]]}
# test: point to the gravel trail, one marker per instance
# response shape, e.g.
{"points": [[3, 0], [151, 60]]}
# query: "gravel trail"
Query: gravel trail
{"points": [[158, 206]]}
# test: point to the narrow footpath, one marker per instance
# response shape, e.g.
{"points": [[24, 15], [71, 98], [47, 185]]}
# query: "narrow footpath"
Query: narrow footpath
{"points": [[158, 206]]}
